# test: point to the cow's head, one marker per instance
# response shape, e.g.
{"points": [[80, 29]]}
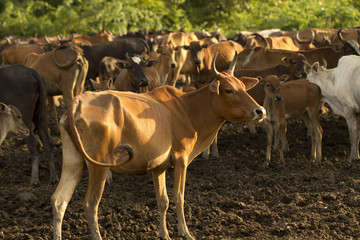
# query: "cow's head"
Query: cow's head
{"points": [[168, 51], [195, 50], [317, 73], [14, 120], [272, 87], [297, 65], [231, 101], [136, 65]]}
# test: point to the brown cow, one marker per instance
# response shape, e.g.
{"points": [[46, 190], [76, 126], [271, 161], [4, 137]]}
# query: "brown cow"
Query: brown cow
{"points": [[64, 70], [95, 38], [342, 36], [281, 42], [137, 75], [134, 133], [11, 121], [293, 98], [175, 41], [259, 58], [194, 56], [15, 54], [226, 51]]}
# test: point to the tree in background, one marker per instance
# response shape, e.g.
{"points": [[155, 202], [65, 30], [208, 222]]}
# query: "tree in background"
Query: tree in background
{"points": [[53, 17]]}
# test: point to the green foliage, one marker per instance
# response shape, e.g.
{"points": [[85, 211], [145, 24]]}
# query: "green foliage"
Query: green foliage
{"points": [[52, 17]]}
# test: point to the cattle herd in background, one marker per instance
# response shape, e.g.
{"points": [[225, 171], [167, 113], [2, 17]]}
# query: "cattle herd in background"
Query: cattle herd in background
{"points": [[297, 71]]}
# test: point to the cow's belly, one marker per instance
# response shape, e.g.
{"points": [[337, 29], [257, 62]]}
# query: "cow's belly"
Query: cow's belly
{"points": [[145, 160]]}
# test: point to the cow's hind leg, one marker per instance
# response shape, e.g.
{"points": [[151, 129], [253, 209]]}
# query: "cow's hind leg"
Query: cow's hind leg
{"points": [[97, 179], [48, 147], [162, 201], [353, 126], [33, 146], [73, 167]]}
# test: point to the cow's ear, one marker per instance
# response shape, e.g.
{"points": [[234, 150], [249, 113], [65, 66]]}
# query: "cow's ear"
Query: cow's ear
{"points": [[151, 63], [261, 79], [215, 86], [284, 78], [4, 109], [123, 64], [249, 82], [286, 60], [315, 67]]}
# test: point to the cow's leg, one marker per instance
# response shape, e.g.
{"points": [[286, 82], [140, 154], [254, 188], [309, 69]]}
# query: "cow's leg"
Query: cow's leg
{"points": [[97, 179], [354, 137], [179, 190], [162, 200], [48, 147], [73, 167], [52, 108], [311, 130], [211, 150], [281, 132], [33, 146], [270, 135], [252, 127]]}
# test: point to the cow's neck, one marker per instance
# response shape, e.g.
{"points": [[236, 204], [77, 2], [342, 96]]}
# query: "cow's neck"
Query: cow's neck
{"points": [[203, 117], [5, 127]]}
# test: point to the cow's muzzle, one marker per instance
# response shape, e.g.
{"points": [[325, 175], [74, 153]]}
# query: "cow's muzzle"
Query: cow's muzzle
{"points": [[143, 82], [259, 113], [197, 61], [303, 75], [278, 98], [173, 65]]}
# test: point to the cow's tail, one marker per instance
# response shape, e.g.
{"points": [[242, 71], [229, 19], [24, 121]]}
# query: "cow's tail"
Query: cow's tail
{"points": [[122, 154], [41, 103]]}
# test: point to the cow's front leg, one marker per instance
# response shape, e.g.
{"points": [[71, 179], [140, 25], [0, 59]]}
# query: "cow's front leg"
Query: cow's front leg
{"points": [[179, 190], [162, 200]]}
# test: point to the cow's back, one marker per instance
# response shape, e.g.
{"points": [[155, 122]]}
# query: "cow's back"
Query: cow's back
{"points": [[23, 88]]}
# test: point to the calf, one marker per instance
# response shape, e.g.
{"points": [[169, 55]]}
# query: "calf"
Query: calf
{"points": [[340, 88], [11, 121], [293, 98], [24, 88], [133, 133]]}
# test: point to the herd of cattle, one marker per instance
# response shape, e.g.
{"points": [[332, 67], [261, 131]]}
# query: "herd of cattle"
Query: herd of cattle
{"points": [[154, 101]]}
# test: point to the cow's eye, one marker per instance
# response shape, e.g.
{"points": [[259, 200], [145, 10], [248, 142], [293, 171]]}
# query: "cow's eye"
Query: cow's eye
{"points": [[229, 91], [268, 84]]}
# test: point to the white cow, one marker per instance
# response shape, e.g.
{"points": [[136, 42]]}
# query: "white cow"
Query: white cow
{"points": [[340, 88]]}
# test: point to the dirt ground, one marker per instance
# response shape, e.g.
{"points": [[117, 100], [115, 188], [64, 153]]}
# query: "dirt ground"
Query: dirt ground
{"points": [[228, 198]]}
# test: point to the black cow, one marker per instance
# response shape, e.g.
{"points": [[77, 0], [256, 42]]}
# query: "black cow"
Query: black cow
{"points": [[24, 88], [117, 49]]}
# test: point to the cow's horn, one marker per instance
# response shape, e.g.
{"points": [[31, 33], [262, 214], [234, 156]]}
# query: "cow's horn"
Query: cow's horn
{"points": [[340, 36], [312, 36], [233, 63], [46, 39], [324, 63], [213, 68], [307, 64]]}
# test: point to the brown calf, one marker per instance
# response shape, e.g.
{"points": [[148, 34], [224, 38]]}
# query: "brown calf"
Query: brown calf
{"points": [[293, 98]]}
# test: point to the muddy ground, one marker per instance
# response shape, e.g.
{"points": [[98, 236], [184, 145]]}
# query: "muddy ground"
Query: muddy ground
{"points": [[227, 198]]}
